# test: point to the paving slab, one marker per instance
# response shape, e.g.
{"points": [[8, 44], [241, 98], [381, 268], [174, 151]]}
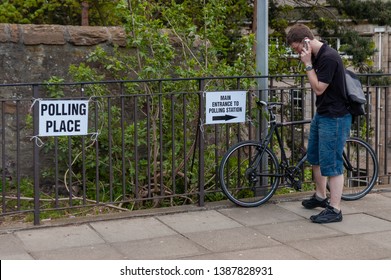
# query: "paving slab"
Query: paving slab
{"points": [[386, 193], [131, 229], [231, 239], [12, 248], [46, 239], [167, 247], [382, 239], [280, 252], [383, 214], [360, 223], [295, 207], [264, 214], [348, 247], [296, 230], [370, 202], [198, 221], [93, 252]]}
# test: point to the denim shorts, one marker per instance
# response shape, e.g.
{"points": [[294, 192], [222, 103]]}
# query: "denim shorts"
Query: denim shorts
{"points": [[326, 142]]}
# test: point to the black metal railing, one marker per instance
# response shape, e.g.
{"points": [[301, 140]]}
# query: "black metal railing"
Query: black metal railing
{"points": [[147, 143]]}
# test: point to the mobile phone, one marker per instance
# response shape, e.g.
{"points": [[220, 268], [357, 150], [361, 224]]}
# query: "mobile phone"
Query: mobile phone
{"points": [[306, 43]]}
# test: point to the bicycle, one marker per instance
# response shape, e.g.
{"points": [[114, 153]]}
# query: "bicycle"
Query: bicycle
{"points": [[250, 172]]}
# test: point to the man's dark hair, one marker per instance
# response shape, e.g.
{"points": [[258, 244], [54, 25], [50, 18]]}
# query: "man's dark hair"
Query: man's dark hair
{"points": [[297, 33]]}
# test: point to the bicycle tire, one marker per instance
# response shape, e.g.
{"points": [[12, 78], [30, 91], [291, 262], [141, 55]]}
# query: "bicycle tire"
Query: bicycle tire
{"points": [[243, 184], [360, 169]]}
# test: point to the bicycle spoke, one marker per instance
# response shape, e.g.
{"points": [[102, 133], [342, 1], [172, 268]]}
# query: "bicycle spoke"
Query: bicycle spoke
{"points": [[361, 169], [247, 178]]}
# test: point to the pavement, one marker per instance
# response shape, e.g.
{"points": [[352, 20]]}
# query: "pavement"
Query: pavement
{"points": [[277, 230]]}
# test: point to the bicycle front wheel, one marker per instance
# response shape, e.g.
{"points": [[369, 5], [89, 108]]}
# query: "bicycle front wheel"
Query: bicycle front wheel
{"points": [[248, 174], [361, 169]]}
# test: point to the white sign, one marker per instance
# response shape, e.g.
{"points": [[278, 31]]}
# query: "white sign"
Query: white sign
{"points": [[225, 107], [63, 117]]}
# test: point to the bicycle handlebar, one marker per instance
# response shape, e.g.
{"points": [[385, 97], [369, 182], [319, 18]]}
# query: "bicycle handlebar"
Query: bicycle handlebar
{"points": [[270, 105]]}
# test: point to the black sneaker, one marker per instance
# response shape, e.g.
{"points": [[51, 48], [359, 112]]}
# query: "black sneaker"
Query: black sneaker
{"points": [[328, 215], [313, 202]]}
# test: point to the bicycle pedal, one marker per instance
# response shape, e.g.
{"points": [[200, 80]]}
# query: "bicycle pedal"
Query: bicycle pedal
{"points": [[297, 185]]}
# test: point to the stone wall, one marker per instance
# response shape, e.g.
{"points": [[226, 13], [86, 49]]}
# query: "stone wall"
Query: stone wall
{"points": [[34, 53]]}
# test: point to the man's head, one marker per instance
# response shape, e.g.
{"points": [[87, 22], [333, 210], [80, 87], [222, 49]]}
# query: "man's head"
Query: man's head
{"points": [[297, 35]]}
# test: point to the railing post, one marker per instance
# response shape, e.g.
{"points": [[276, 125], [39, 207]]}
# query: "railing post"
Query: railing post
{"points": [[3, 164], [201, 144], [36, 157]]}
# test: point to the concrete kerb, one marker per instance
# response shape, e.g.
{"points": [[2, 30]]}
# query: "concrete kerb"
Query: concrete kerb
{"points": [[276, 199]]}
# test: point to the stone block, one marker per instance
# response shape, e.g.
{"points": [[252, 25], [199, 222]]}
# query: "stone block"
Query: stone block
{"points": [[118, 36], [87, 35], [9, 33], [43, 34], [3, 33]]}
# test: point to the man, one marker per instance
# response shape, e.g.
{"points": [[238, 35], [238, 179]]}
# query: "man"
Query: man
{"points": [[330, 126]]}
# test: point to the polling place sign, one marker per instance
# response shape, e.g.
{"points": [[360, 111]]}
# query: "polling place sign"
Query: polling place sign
{"points": [[63, 117]]}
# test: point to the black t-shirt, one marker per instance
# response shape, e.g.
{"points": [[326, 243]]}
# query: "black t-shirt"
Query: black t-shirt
{"points": [[330, 70]]}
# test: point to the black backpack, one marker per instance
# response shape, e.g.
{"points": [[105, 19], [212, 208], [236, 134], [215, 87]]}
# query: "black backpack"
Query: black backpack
{"points": [[355, 94]]}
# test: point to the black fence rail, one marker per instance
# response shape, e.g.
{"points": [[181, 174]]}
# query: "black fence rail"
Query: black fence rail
{"points": [[146, 143]]}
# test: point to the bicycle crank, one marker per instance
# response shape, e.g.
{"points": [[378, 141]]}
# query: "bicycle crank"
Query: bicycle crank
{"points": [[250, 175], [294, 182]]}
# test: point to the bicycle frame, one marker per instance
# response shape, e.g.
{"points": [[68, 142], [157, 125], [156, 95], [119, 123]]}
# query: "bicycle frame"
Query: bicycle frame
{"points": [[285, 169]]}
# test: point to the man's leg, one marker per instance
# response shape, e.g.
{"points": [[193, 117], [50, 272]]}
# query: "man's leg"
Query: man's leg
{"points": [[336, 187], [319, 199], [320, 182]]}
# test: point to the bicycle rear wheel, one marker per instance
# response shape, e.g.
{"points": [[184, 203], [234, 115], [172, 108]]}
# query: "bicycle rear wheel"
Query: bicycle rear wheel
{"points": [[248, 174], [361, 169]]}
